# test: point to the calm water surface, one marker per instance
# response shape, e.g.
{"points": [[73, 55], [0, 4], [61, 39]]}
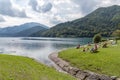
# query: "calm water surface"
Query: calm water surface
{"points": [[37, 47]]}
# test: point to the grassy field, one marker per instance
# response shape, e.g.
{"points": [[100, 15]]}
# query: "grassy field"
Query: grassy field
{"points": [[22, 68], [106, 61]]}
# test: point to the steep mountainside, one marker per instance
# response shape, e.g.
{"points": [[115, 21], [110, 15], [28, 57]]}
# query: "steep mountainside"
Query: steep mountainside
{"points": [[103, 20]]}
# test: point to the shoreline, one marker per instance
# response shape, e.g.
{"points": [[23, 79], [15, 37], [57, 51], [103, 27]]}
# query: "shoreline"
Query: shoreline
{"points": [[78, 73]]}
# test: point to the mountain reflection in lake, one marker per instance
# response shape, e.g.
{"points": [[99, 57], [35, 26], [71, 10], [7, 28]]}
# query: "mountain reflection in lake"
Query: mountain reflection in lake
{"points": [[37, 47]]}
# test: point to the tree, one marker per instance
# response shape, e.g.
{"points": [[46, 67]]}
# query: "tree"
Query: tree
{"points": [[97, 38], [116, 33]]}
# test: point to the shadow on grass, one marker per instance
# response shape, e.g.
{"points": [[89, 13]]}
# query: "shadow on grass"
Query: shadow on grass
{"points": [[95, 52]]}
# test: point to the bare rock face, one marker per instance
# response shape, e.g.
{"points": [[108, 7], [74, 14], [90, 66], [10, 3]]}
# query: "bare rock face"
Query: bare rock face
{"points": [[80, 74]]}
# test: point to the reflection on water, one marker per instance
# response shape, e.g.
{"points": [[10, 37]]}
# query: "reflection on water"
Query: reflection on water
{"points": [[38, 48]]}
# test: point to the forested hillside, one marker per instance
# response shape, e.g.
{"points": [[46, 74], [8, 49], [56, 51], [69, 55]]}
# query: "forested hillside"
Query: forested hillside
{"points": [[103, 20]]}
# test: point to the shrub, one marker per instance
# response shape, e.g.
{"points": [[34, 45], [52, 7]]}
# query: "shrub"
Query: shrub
{"points": [[97, 38], [116, 33]]}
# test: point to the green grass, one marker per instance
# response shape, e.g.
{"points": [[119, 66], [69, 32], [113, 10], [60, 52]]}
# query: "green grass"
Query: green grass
{"points": [[106, 61], [23, 68]]}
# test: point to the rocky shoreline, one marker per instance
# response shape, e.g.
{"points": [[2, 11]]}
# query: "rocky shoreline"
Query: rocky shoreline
{"points": [[79, 74]]}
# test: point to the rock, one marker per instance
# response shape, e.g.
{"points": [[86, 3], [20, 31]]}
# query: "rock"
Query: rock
{"points": [[72, 72], [92, 73], [76, 69], [61, 65], [93, 77], [104, 77], [57, 63], [66, 68], [82, 75], [55, 60], [118, 79], [78, 74], [113, 77]]}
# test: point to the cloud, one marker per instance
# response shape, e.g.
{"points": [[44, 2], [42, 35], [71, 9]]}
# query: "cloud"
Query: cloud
{"points": [[42, 8], [63, 10], [6, 8], [56, 19], [2, 19], [34, 4], [48, 12], [86, 6], [46, 7]]}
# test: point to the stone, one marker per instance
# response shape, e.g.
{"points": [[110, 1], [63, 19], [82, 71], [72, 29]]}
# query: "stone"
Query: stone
{"points": [[72, 72], [66, 68], [57, 63], [118, 79], [61, 65], [113, 77], [104, 77], [93, 77], [55, 60], [78, 74], [76, 69], [82, 75]]}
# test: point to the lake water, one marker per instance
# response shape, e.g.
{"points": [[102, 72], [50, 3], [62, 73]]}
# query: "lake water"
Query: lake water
{"points": [[37, 47]]}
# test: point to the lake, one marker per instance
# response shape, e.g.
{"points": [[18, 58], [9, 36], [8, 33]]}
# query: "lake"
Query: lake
{"points": [[37, 47]]}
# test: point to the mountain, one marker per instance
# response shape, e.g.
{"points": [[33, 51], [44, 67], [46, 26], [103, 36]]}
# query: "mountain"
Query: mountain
{"points": [[31, 31], [103, 20], [22, 30]]}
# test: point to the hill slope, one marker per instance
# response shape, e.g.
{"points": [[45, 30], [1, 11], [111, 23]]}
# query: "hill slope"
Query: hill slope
{"points": [[103, 20], [30, 31], [17, 30], [22, 68]]}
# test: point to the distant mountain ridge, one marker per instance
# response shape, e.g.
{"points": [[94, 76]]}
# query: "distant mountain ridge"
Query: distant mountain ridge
{"points": [[28, 32], [22, 30], [103, 20]]}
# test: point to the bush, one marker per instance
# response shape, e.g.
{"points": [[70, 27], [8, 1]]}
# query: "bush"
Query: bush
{"points": [[103, 40], [97, 38], [116, 33], [117, 38]]}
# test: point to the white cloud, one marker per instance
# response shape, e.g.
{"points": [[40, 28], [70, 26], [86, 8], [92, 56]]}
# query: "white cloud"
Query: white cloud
{"points": [[46, 7], [6, 8], [40, 7], [2, 19], [48, 12], [34, 4]]}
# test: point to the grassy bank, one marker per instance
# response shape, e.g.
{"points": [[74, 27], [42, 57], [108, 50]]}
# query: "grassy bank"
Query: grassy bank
{"points": [[106, 61], [22, 68]]}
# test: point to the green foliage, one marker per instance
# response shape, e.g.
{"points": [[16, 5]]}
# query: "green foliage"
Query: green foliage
{"points": [[97, 38], [103, 39], [23, 68], [116, 33], [106, 61], [103, 20]]}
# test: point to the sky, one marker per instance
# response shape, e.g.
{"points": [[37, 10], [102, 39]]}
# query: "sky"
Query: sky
{"points": [[47, 12]]}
